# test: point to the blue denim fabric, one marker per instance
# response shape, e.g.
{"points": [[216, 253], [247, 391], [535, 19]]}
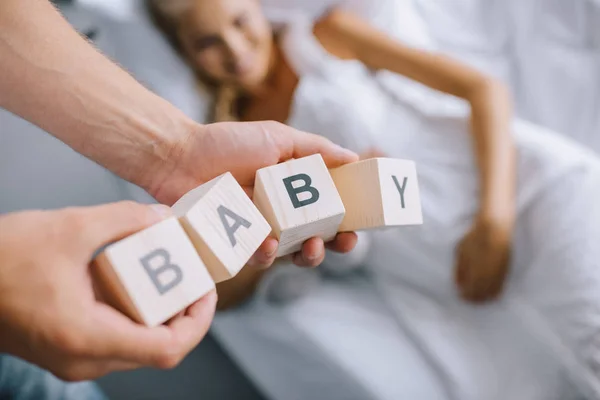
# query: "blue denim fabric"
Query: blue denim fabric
{"points": [[20, 380]]}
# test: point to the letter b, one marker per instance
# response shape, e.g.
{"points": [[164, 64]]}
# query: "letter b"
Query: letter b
{"points": [[165, 265], [293, 192]]}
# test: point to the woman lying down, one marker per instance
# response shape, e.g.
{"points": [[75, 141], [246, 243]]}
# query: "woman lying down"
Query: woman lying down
{"points": [[498, 293]]}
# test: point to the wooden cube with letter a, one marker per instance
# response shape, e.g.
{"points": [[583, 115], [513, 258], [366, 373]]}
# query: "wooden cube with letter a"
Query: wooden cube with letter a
{"points": [[300, 201], [153, 274], [378, 192], [224, 225]]}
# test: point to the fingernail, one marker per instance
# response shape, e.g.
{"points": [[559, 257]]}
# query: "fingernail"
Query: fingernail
{"points": [[162, 210], [271, 253]]}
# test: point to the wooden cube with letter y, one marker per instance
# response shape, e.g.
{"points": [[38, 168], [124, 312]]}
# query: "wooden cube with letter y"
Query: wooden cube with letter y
{"points": [[378, 192], [224, 225], [153, 274], [300, 201]]}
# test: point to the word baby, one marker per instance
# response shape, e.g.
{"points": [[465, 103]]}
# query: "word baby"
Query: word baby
{"points": [[154, 274]]}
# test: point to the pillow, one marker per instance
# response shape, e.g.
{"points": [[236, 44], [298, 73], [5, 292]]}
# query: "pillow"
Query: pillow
{"points": [[399, 18], [282, 11]]}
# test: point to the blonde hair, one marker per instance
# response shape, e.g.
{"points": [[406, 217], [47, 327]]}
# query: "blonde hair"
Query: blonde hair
{"points": [[166, 15]]}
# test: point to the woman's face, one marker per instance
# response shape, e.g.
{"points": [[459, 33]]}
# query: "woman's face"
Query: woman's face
{"points": [[228, 40]]}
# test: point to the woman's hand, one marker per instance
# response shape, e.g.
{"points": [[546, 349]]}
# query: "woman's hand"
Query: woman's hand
{"points": [[484, 253], [483, 259]]}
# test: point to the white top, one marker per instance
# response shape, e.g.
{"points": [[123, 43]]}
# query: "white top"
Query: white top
{"points": [[523, 346]]}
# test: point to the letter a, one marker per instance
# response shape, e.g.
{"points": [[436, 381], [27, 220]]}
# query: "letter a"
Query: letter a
{"points": [[225, 212]]}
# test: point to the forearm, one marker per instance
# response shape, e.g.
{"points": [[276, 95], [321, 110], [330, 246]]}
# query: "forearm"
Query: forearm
{"points": [[491, 107], [491, 125], [54, 78]]}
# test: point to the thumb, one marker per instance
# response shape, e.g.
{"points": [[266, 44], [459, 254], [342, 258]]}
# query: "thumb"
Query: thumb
{"points": [[298, 144], [109, 223], [114, 336]]}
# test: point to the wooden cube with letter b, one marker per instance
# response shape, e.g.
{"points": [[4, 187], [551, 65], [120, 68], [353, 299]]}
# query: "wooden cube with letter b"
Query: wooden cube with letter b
{"points": [[300, 201], [378, 192], [153, 274], [224, 225]]}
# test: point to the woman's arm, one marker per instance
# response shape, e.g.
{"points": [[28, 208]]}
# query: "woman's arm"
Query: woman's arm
{"points": [[348, 36]]}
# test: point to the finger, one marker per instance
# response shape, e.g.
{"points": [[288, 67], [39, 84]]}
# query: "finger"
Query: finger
{"points": [[178, 315], [85, 370], [500, 283], [306, 144], [488, 284], [461, 270], [497, 289], [90, 370], [505, 273], [481, 287], [483, 295], [474, 287], [468, 277], [372, 153], [343, 243], [459, 274], [496, 284], [312, 253], [108, 223], [477, 292], [249, 189], [265, 255], [467, 291], [114, 336], [472, 275], [296, 144], [190, 329], [110, 366], [489, 277]]}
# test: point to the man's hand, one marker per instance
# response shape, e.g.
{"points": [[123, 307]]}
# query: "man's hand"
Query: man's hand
{"points": [[372, 152], [242, 148], [100, 111], [49, 312], [483, 259]]}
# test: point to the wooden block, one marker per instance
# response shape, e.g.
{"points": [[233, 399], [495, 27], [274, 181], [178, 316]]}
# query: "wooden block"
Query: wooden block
{"points": [[299, 199], [378, 192], [153, 274], [224, 225]]}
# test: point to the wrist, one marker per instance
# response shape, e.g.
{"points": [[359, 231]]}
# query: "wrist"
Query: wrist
{"points": [[498, 200], [165, 149], [500, 213]]}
